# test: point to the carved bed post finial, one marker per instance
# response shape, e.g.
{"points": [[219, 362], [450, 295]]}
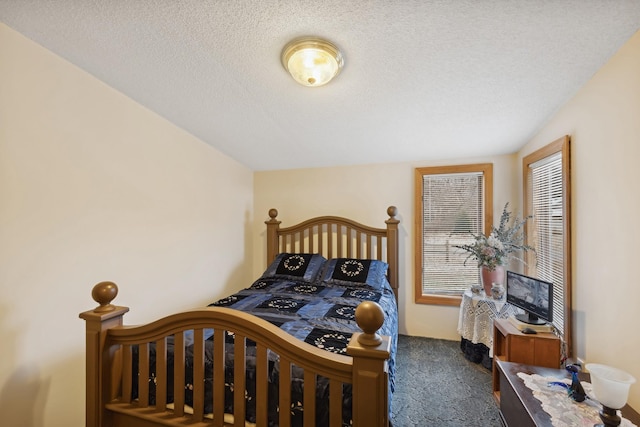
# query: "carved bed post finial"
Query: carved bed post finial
{"points": [[392, 211], [393, 257], [103, 293], [273, 225], [369, 317]]}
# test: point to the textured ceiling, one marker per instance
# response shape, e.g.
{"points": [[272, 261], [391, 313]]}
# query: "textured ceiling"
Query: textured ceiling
{"points": [[423, 79]]}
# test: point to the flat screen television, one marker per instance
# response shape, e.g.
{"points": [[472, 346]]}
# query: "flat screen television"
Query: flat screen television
{"points": [[532, 295]]}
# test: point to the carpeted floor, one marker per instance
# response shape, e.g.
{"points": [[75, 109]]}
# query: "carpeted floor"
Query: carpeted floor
{"points": [[436, 385]]}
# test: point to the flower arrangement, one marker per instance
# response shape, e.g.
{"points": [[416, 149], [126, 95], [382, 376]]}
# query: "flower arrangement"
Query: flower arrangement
{"points": [[501, 245]]}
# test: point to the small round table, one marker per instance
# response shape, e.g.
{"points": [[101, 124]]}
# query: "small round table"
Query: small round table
{"points": [[475, 325]]}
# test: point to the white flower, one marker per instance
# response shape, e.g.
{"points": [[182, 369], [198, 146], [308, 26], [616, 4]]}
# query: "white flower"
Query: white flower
{"points": [[495, 242]]}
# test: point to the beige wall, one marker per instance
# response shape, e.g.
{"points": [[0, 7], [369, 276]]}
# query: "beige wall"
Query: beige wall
{"points": [[603, 121], [364, 193], [94, 187]]}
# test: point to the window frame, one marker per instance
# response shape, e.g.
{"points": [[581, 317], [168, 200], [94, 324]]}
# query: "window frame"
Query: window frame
{"points": [[562, 146], [487, 171]]}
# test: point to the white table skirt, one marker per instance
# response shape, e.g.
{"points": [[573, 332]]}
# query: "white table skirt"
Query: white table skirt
{"points": [[475, 322]]}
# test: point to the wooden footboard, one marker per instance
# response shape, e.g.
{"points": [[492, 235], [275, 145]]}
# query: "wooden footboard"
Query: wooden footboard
{"points": [[109, 376]]}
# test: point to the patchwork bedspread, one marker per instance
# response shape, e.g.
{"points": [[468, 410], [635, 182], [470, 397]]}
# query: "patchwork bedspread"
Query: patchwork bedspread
{"points": [[320, 313]]}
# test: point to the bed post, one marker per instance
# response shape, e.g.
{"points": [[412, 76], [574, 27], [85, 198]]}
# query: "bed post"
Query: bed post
{"points": [[273, 225], [370, 352], [392, 248], [99, 357]]}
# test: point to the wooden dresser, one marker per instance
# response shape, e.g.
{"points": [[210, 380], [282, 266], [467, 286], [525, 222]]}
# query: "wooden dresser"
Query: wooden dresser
{"points": [[518, 406]]}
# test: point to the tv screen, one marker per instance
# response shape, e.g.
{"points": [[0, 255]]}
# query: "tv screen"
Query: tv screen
{"points": [[532, 295]]}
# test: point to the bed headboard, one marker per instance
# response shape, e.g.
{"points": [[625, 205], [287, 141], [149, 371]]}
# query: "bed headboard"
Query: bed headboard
{"points": [[337, 237]]}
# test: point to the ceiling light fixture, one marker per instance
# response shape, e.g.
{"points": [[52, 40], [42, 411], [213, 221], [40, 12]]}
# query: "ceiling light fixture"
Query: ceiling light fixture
{"points": [[312, 61]]}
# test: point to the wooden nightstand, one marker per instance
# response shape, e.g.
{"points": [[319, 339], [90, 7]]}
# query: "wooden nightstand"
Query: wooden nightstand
{"points": [[511, 345]]}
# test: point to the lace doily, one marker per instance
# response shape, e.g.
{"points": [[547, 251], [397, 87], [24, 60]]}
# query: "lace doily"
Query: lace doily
{"points": [[564, 411]]}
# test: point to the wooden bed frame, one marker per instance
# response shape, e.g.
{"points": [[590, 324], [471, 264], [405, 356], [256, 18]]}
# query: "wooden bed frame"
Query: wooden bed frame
{"points": [[109, 345]]}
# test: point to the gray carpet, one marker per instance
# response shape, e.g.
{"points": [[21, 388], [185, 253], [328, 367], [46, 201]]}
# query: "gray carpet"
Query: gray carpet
{"points": [[436, 385]]}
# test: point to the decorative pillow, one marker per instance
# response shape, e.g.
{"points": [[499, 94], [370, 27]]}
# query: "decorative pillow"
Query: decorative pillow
{"points": [[301, 267], [352, 271]]}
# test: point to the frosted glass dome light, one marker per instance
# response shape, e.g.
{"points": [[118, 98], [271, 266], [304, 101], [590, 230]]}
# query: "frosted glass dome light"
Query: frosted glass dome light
{"points": [[312, 61]]}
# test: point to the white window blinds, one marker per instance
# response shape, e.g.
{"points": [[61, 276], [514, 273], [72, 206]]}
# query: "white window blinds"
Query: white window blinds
{"points": [[453, 206], [545, 181]]}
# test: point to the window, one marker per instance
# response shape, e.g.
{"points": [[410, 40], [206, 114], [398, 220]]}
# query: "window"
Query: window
{"points": [[546, 179], [451, 201]]}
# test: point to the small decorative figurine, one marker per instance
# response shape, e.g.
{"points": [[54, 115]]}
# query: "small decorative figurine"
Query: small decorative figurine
{"points": [[497, 291], [575, 390]]}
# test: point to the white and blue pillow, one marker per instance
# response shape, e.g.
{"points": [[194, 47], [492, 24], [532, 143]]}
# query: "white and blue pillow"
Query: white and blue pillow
{"points": [[295, 266], [354, 271]]}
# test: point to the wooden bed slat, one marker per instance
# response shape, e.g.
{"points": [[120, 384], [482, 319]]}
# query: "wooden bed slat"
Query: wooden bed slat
{"points": [[262, 365], [239, 381], [348, 251], [178, 374], [127, 373], [143, 377], [337, 244], [218, 376], [320, 240], [309, 396], [198, 372], [161, 374], [335, 403], [284, 387]]}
